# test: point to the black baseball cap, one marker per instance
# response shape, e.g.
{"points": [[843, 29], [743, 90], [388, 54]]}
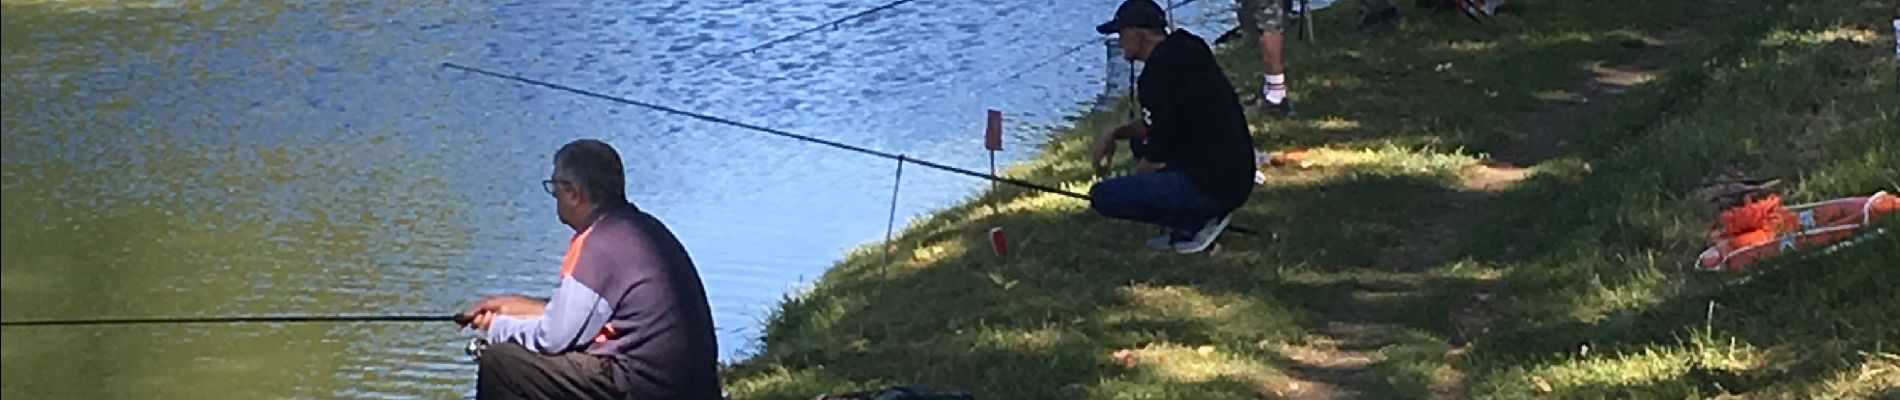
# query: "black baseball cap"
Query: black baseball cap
{"points": [[1135, 14]]}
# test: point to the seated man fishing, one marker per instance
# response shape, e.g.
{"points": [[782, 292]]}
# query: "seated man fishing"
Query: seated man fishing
{"points": [[1196, 160], [629, 319]]}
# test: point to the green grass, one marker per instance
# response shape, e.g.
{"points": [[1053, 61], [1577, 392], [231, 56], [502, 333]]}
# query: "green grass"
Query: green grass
{"points": [[1602, 236], [1584, 253]]}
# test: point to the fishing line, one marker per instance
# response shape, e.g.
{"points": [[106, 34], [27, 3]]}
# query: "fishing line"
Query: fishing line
{"points": [[769, 43], [834, 24], [1071, 50], [456, 318]]}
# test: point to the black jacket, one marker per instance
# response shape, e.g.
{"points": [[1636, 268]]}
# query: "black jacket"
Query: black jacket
{"points": [[1195, 123]]}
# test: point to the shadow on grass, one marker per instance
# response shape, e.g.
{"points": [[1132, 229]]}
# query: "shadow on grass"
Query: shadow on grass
{"points": [[1597, 250], [1849, 309], [1043, 322], [1442, 81]]}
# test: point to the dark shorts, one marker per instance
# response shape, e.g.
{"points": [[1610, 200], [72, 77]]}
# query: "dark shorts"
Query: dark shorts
{"points": [[509, 371], [1263, 16]]}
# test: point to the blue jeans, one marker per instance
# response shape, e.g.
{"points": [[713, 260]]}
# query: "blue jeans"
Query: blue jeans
{"points": [[1165, 198]]}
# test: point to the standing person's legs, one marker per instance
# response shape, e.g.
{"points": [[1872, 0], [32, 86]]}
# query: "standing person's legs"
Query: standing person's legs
{"points": [[509, 371], [1168, 199], [1267, 19]]}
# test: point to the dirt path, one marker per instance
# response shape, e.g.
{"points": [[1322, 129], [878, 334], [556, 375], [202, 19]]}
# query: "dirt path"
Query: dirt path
{"points": [[1336, 363]]}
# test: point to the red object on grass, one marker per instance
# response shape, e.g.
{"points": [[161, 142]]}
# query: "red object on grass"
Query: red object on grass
{"points": [[999, 241]]}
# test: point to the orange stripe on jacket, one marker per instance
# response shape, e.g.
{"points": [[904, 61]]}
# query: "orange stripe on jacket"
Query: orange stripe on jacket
{"points": [[574, 252], [568, 262]]}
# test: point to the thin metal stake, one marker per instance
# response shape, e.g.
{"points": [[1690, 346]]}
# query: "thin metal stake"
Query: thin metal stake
{"points": [[1306, 17], [890, 224], [1708, 322], [992, 170]]}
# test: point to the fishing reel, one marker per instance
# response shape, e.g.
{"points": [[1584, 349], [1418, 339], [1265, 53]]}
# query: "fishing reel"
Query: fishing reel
{"points": [[475, 348]]}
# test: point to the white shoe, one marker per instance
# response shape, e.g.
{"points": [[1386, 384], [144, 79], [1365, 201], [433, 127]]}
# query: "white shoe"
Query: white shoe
{"points": [[1205, 238], [1491, 7], [1261, 159], [1163, 242]]}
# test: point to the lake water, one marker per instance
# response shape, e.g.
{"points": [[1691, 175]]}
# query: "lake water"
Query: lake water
{"points": [[206, 158]]}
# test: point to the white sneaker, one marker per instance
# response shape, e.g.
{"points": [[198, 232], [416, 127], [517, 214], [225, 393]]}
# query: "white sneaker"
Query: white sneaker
{"points": [[1163, 242], [1261, 159], [1491, 7], [1205, 238]]}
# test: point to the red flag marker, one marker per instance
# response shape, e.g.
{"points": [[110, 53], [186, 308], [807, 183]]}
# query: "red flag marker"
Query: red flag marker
{"points": [[993, 138]]}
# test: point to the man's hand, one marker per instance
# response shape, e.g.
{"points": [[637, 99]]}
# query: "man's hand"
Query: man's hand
{"points": [[1103, 153], [485, 310], [481, 321]]}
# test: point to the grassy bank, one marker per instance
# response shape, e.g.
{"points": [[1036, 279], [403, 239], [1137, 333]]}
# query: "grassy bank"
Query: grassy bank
{"points": [[1599, 239], [1583, 253]]}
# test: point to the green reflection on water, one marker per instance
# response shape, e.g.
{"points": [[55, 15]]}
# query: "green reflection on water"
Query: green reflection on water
{"points": [[169, 224], [73, 250]]}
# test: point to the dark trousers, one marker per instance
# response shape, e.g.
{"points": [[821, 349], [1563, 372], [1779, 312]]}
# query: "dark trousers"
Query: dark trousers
{"points": [[509, 371], [1165, 198]]}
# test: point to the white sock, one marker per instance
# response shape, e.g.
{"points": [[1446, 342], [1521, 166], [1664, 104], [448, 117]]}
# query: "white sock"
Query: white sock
{"points": [[1275, 89]]}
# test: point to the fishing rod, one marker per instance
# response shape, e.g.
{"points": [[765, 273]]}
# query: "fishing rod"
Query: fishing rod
{"points": [[777, 132], [457, 318], [783, 133], [769, 43], [474, 348]]}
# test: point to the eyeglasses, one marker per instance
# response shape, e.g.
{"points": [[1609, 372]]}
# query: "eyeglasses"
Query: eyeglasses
{"points": [[549, 185]]}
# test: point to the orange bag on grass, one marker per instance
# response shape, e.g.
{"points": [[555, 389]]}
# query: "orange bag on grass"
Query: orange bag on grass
{"points": [[1764, 229]]}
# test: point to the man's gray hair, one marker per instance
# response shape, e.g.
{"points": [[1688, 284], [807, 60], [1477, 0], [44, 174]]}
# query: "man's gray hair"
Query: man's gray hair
{"points": [[595, 167]]}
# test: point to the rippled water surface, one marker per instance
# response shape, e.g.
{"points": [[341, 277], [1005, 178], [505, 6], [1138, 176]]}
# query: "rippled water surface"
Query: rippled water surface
{"points": [[199, 158]]}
